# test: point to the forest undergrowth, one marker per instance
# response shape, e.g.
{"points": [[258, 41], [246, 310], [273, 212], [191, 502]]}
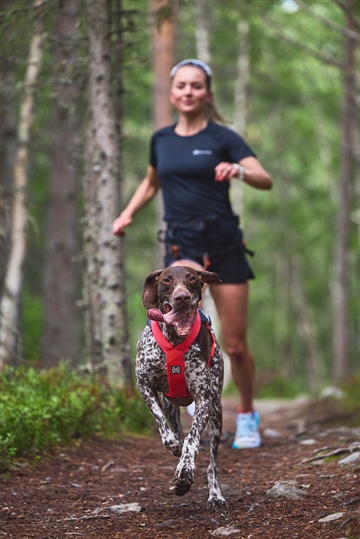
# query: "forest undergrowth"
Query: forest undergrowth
{"points": [[42, 409]]}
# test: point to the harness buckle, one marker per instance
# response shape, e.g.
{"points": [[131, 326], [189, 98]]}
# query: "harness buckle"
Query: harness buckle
{"points": [[175, 252], [206, 261]]}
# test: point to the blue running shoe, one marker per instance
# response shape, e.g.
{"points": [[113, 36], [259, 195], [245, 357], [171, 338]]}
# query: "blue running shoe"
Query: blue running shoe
{"points": [[247, 431]]}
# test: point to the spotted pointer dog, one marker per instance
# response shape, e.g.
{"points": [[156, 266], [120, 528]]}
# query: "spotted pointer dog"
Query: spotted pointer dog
{"points": [[171, 297]]}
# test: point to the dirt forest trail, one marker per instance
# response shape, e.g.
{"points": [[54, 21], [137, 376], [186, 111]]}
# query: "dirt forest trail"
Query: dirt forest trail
{"points": [[80, 491]]}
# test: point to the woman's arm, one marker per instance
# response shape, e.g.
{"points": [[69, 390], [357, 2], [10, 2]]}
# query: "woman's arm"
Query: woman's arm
{"points": [[253, 173], [143, 194]]}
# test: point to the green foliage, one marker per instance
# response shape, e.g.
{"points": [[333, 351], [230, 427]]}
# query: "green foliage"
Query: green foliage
{"points": [[278, 387], [43, 409], [32, 308], [351, 403]]}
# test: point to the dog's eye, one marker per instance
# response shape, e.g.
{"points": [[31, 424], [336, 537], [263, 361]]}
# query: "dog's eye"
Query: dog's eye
{"points": [[192, 278], [166, 280]]}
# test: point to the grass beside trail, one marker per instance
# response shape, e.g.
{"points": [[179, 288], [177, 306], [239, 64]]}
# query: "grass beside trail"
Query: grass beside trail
{"points": [[40, 409]]}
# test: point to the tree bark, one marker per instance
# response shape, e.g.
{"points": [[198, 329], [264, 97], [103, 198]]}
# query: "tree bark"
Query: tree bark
{"points": [[107, 322], [119, 111], [10, 344], [163, 40], [342, 254], [7, 159], [202, 32], [62, 279], [163, 59]]}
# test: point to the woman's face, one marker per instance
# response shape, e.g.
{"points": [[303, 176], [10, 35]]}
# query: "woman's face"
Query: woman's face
{"points": [[189, 93]]}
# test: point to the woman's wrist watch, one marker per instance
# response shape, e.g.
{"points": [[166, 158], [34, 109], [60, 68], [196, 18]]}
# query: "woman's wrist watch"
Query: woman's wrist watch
{"points": [[241, 170]]}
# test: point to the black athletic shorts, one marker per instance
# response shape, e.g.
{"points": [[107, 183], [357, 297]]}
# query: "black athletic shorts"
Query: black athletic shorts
{"points": [[217, 243]]}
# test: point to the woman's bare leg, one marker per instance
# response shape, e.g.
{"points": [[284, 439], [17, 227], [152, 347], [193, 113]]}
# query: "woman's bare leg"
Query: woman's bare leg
{"points": [[231, 301]]}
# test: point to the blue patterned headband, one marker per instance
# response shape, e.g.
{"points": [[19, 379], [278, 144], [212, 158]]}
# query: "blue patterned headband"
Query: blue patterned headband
{"points": [[192, 62]]}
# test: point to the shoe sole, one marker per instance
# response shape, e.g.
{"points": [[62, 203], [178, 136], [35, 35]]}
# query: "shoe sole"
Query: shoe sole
{"points": [[248, 446]]}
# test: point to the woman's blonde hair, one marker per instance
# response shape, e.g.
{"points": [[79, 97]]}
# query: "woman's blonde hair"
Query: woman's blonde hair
{"points": [[212, 114]]}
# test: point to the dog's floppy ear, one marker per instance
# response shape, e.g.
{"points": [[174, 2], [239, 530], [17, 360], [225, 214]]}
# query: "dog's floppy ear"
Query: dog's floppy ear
{"points": [[209, 277], [149, 297]]}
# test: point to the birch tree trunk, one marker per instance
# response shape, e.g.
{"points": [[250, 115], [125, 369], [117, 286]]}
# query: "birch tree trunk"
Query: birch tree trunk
{"points": [[202, 32], [342, 254], [62, 279], [105, 300], [10, 342]]}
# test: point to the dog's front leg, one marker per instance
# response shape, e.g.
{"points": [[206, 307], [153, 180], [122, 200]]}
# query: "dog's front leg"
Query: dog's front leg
{"points": [[216, 501], [185, 470], [170, 440], [172, 414]]}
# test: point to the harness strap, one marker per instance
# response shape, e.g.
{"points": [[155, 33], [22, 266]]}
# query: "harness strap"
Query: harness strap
{"points": [[212, 351], [175, 360]]}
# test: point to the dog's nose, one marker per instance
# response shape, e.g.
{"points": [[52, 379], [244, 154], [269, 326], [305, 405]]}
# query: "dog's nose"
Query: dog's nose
{"points": [[182, 295]]}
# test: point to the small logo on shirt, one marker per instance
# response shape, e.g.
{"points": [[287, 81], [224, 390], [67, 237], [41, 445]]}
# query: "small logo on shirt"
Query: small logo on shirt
{"points": [[202, 152], [175, 370]]}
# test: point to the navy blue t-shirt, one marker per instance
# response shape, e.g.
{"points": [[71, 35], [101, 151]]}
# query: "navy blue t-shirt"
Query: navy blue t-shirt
{"points": [[185, 166]]}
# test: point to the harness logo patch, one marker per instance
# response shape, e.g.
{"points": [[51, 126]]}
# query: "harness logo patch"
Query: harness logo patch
{"points": [[175, 370]]}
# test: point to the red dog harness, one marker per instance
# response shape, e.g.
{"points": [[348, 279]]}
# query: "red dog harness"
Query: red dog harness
{"points": [[175, 361]]}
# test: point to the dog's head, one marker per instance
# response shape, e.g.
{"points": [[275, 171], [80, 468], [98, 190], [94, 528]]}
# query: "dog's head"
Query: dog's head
{"points": [[172, 295]]}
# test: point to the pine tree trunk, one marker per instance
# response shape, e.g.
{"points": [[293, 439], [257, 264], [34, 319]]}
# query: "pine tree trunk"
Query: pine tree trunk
{"points": [[163, 41], [10, 342], [163, 59], [342, 253], [61, 316], [104, 275], [92, 297]]}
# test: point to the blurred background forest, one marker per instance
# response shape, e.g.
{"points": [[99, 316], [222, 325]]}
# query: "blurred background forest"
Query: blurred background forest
{"points": [[286, 77]]}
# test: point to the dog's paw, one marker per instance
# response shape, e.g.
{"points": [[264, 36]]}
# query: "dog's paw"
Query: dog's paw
{"points": [[183, 481], [218, 504], [174, 448], [182, 488]]}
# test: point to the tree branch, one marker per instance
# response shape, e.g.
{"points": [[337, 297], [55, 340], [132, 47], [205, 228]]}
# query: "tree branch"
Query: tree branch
{"points": [[349, 13], [328, 22], [32, 7], [322, 56]]}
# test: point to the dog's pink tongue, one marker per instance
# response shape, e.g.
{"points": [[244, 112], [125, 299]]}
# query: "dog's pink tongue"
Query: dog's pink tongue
{"points": [[155, 314]]}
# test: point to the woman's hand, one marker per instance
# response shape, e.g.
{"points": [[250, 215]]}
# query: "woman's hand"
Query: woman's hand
{"points": [[120, 223], [250, 171], [225, 171], [143, 194]]}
